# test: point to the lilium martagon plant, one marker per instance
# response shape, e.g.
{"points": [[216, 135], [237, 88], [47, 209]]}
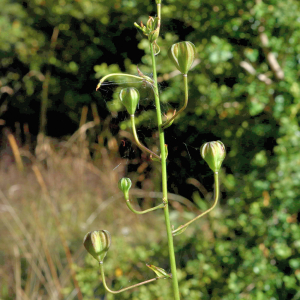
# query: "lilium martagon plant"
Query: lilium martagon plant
{"points": [[182, 56]]}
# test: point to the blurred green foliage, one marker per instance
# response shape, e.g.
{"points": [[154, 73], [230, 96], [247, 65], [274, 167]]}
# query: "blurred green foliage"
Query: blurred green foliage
{"points": [[244, 91]]}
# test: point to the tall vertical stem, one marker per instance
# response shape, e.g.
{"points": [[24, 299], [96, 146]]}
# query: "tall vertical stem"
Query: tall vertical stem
{"points": [[164, 179]]}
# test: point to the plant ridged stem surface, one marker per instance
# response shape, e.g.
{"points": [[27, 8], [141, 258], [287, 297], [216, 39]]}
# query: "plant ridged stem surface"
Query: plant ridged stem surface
{"points": [[164, 179]]}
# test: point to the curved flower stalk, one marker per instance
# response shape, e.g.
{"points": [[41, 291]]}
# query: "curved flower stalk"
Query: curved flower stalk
{"points": [[124, 186], [139, 144], [130, 98], [127, 288], [97, 244], [213, 153], [182, 228]]}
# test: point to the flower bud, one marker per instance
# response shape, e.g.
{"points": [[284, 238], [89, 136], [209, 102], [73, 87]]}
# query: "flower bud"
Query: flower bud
{"points": [[142, 27], [124, 186], [97, 244], [153, 35], [182, 54], [130, 98], [213, 153], [150, 23]]}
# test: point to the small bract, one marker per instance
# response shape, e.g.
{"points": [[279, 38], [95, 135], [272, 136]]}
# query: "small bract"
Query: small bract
{"points": [[97, 244], [160, 272], [182, 55], [130, 98], [213, 153]]}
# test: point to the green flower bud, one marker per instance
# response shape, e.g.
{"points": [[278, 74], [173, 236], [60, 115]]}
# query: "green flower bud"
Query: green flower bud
{"points": [[130, 98], [124, 186], [213, 153], [182, 55], [153, 35], [150, 24], [97, 244]]}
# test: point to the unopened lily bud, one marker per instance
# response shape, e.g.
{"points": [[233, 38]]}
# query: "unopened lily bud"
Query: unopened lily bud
{"points": [[138, 26], [153, 35], [213, 153], [97, 244], [182, 54], [130, 98], [124, 186], [150, 23]]}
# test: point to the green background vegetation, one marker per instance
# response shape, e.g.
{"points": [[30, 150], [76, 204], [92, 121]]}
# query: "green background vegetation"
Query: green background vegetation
{"points": [[244, 90]]}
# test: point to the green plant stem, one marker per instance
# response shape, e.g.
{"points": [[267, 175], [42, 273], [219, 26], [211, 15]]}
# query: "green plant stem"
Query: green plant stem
{"points": [[140, 145], [158, 15], [164, 178], [143, 211], [186, 98], [216, 188], [125, 289]]}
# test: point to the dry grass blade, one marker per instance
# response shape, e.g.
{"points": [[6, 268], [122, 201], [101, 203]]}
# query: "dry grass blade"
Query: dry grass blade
{"points": [[17, 272], [40, 232], [16, 152], [59, 228], [30, 244]]}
